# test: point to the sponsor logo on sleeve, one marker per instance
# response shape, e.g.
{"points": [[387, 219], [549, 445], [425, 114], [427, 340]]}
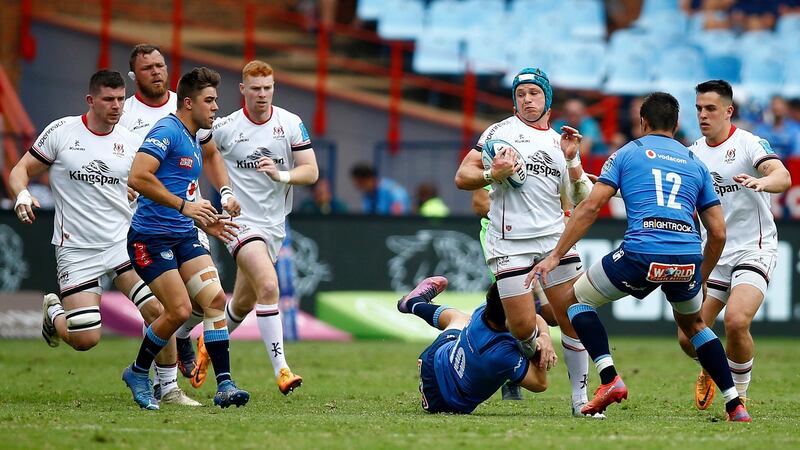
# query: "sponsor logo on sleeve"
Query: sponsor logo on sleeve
{"points": [[162, 144], [304, 132], [48, 132], [765, 145]]}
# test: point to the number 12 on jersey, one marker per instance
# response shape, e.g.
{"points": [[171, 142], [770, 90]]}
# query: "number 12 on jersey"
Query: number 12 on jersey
{"points": [[675, 179]]}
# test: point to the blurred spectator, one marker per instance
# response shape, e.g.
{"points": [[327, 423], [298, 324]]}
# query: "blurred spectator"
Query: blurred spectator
{"points": [[779, 129], [322, 201], [629, 126], [794, 109], [381, 196], [753, 15], [429, 202], [575, 117]]}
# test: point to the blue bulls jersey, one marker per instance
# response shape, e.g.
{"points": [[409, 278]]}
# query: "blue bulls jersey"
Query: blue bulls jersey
{"points": [[181, 158], [473, 367], [662, 184]]}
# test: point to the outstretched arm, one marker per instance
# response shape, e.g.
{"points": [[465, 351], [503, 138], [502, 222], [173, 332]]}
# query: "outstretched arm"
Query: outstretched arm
{"points": [[775, 180]]}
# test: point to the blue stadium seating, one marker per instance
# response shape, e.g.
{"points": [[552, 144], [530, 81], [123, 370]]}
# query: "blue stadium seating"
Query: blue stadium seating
{"points": [[791, 77], [369, 9], [586, 18], [401, 19], [579, 65], [723, 67], [487, 49], [438, 53], [677, 67], [716, 42], [762, 76]]}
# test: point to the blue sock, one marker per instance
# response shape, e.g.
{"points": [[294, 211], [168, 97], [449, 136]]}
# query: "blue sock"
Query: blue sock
{"points": [[217, 345], [151, 345], [594, 338], [427, 312], [712, 357]]}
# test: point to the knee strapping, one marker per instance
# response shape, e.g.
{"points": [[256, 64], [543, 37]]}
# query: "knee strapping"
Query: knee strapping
{"points": [[83, 319], [204, 286], [140, 294], [587, 294]]}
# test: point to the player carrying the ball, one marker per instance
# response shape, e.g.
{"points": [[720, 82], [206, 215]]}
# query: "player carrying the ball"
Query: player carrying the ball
{"points": [[526, 221]]}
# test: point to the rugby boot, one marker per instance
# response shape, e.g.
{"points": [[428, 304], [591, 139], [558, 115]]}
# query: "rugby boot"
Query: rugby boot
{"points": [[186, 358], [606, 394], [511, 391], [739, 414], [49, 332], [178, 397], [141, 388], [288, 381], [427, 289], [704, 390], [228, 394], [200, 371]]}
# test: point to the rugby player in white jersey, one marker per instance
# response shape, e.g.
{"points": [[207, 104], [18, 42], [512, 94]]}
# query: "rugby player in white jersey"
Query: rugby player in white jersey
{"points": [[267, 150], [745, 170], [88, 158], [151, 102], [526, 223]]}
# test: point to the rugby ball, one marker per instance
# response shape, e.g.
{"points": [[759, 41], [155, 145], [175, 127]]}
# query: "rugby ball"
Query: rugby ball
{"points": [[491, 148]]}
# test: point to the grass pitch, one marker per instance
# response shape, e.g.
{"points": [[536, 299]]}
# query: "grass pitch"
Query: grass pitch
{"points": [[364, 395]]}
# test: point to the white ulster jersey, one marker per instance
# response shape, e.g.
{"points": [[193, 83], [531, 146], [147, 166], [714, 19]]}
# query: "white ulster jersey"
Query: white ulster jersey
{"points": [[241, 141], [89, 178], [748, 218], [140, 117], [533, 210]]}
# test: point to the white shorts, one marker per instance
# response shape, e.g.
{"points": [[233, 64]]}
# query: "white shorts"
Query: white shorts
{"points": [[753, 267], [511, 269], [80, 269], [249, 231]]}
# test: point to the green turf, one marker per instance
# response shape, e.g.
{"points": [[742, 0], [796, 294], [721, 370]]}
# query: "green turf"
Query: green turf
{"points": [[364, 395]]}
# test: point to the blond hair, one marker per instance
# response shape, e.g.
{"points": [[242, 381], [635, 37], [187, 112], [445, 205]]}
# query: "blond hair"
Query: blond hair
{"points": [[256, 68]]}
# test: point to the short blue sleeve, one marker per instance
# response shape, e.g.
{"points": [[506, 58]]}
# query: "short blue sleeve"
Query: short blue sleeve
{"points": [[610, 174], [157, 141], [707, 196]]}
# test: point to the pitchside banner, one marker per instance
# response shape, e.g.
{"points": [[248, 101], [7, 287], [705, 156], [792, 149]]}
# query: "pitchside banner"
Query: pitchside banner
{"points": [[358, 253]]}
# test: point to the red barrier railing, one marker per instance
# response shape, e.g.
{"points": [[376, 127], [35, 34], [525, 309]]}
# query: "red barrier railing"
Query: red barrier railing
{"points": [[16, 125], [177, 50], [104, 56]]}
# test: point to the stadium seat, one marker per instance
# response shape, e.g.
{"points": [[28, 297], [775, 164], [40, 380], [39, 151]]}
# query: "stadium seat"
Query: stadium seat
{"points": [[724, 67], [401, 19], [457, 18], [655, 6], [628, 73], [678, 67], [587, 18], [716, 42], [762, 76], [369, 9], [530, 55], [578, 65], [791, 77], [487, 49], [528, 8], [670, 26], [788, 27], [757, 43], [439, 54]]}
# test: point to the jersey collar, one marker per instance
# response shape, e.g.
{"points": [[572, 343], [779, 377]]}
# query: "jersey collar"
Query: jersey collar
{"points": [[730, 133], [246, 114], [529, 125], [85, 121]]}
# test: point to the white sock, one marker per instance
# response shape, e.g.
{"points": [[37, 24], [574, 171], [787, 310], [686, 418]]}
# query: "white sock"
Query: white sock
{"points": [[269, 323], [54, 311], [167, 376], [185, 330], [577, 361], [741, 375], [233, 320]]}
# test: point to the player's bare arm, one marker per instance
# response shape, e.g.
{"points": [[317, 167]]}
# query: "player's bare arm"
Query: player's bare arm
{"points": [[714, 221], [217, 174], [480, 202], [305, 171], [470, 174], [581, 219], [775, 178], [18, 180], [143, 179]]}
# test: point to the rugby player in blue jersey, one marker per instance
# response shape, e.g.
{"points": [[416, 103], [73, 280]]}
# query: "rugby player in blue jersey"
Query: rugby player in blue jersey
{"points": [[163, 243], [473, 356], [662, 184]]}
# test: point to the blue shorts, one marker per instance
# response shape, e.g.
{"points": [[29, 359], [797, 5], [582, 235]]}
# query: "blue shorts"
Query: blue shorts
{"points": [[639, 274], [154, 254], [432, 399]]}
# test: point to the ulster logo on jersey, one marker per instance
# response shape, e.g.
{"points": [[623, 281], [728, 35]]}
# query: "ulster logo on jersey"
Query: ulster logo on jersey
{"points": [[96, 172], [542, 164], [119, 150], [730, 155], [720, 187], [277, 133]]}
